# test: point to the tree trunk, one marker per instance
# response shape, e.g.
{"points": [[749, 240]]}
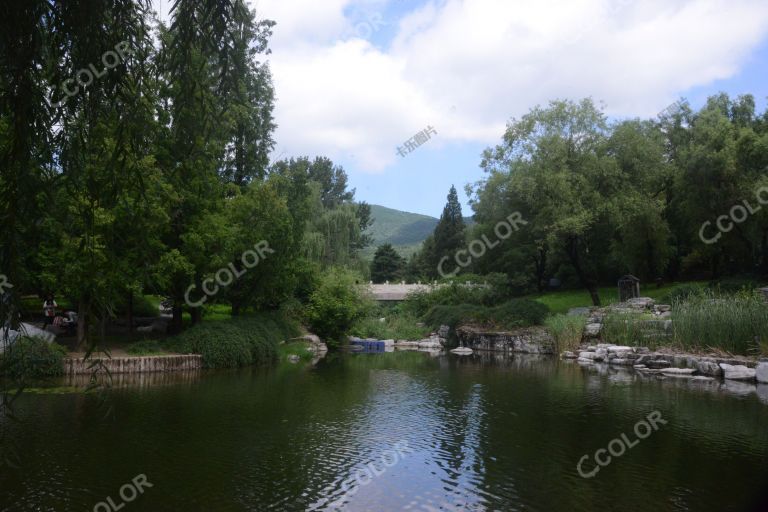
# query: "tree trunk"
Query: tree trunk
{"points": [[176, 322], [590, 284], [196, 314], [82, 330], [540, 263], [129, 319]]}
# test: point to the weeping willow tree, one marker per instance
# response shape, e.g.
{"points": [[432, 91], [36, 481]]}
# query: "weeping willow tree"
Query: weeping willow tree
{"points": [[333, 237]]}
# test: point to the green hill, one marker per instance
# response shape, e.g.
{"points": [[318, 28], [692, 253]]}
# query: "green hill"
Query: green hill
{"points": [[404, 230]]}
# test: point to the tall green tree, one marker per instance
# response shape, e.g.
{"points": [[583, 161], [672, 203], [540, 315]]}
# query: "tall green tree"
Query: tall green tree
{"points": [[387, 264]]}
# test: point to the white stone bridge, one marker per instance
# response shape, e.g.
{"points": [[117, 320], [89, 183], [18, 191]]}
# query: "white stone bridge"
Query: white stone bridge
{"points": [[399, 291]]}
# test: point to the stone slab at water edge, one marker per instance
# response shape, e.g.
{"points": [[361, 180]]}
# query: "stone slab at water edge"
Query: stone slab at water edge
{"points": [[529, 340]]}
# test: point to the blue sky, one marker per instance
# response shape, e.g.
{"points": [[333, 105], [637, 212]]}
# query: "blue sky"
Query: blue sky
{"points": [[355, 79]]}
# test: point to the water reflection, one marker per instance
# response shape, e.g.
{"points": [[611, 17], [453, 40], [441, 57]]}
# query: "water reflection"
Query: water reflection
{"points": [[484, 432]]}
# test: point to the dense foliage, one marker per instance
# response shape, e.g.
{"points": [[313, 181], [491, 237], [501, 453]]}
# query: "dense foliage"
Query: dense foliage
{"points": [[508, 315], [244, 341], [336, 305], [155, 176], [602, 198], [387, 265], [32, 357]]}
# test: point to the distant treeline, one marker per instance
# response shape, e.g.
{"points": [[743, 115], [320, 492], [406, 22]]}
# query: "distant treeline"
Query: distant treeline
{"points": [[681, 196]]}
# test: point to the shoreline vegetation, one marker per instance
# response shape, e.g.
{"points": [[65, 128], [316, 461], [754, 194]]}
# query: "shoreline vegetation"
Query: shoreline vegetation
{"points": [[702, 319]]}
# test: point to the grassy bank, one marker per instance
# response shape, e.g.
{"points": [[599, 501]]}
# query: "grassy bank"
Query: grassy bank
{"points": [[562, 301]]}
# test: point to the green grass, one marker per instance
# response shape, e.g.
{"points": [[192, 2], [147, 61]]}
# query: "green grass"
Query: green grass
{"points": [[397, 326], [562, 301], [737, 324], [296, 348], [631, 329], [566, 330], [145, 348]]}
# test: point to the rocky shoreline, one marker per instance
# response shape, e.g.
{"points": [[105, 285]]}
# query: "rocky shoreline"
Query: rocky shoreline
{"points": [[673, 364]]}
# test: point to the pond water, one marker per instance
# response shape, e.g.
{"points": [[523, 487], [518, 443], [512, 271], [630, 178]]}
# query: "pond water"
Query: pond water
{"points": [[395, 431]]}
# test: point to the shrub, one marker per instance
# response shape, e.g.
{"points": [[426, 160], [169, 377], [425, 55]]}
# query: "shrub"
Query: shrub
{"points": [[509, 315], [236, 342], [335, 305], [680, 293], [732, 285], [455, 293], [397, 325], [737, 323], [32, 357], [566, 330], [143, 306]]}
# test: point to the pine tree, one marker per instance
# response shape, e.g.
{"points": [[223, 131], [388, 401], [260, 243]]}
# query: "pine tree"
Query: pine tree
{"points": [[449, 232], [387, 264]]}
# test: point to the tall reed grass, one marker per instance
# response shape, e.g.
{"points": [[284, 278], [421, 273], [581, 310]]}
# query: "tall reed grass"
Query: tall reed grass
{"points": [[634, 329], [566, 330], [737, 323]]}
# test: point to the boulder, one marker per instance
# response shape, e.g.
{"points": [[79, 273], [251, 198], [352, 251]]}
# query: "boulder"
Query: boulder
{"points": [[678, 372], [587, 355], [619, 348], [443, 331], [621, 361], [569, 355], [640, 303], [709, 367], [433, 342], [593, 330], [761, 372], [657, 364], [737, 372], [462, 351]]}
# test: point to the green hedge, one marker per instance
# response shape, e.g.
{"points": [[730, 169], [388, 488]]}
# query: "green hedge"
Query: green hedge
{"points": [[239, 341], [508, 315], [31, 357]]}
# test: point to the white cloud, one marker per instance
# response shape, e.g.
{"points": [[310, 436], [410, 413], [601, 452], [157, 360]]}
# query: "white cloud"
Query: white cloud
{"points": [[466, 66]]}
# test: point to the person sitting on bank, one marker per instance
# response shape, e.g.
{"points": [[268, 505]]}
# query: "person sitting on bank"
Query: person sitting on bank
{"points": [[49, 310]]}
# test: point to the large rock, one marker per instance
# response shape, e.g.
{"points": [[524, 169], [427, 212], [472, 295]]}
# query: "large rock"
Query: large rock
{"points": [[587, 355], [737, 372], [433, 342], [619, 348], [657, 364], [531, 340], [593, 330], [709, 367], [569, 355], [640, 303], [761, 372], [678, 371]]}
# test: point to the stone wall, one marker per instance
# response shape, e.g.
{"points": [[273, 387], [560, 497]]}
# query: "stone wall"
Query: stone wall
{"points": [[78, 366], [531, 340]]}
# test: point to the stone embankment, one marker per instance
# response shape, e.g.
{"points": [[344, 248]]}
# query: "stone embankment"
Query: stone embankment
{"points": [[530, 340], [116, 365]]}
